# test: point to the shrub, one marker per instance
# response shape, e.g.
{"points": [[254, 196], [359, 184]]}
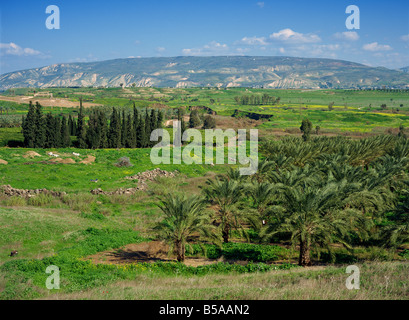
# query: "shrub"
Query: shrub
{"points": [[124, 162], [243, 251]]}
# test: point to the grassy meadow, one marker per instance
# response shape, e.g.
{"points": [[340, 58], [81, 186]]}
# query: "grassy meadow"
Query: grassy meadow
{"points": [[78, 230]]}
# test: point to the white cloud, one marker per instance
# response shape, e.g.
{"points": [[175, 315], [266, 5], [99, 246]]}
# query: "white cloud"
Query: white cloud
{"points": [[15, 50], [260, 4], [374, 46], [254, 41], [290, 36], [405, 37], [213, 48], [347, 35], [160, 49]]}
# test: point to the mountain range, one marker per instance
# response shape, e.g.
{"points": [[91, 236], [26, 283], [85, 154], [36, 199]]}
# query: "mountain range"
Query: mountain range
{"points": [[220, 71]]}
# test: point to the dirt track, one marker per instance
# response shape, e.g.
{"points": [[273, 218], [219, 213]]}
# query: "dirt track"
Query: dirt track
{"points": [[143, 252], [48, 102]]}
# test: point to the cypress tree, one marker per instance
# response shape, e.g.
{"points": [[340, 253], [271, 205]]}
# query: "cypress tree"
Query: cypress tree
{"points": [[57, 132], [147, 129], [142, 141], [29, 127], [74, 127], [65, 134], [81, 130], [160, 119], [130, 141], [136, 127], [114, 137], [49, 131], [124, 129], [103, 127], [154, 120], [92, 135], [70, 126], [39, 133]]}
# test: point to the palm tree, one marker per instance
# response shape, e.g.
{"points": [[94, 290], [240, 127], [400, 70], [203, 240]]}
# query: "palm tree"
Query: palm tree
{"points": [[262, 194], [398, 232], [184, 217], [316, 214], [225, 195]]}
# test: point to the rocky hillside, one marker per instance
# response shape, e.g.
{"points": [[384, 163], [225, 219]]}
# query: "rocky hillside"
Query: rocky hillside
{"points": [[230, 71]]}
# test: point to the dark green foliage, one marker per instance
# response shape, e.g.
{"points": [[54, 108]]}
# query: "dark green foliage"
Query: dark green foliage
{"points": [[243, 251], [256, 100], [57, 132], [160, 119], [306, 128], [148, 129], [39, 130], [209, 122], [81, 130], [50, 141], [129, 133], [114, 137], [29, 127], [65, 135], [124, 129], [194, 120]]}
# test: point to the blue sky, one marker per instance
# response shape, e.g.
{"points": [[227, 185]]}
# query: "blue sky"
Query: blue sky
{"points": [[93, 30]]}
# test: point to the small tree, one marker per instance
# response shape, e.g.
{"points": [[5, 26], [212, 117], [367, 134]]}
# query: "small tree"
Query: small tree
{"points": [[209, 122], [194, 120], [402, 133], [224, 195], [184, 217], [331, 106], [306, 128], [317, 130]]}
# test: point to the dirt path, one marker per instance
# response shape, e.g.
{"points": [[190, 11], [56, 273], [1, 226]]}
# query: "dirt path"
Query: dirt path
{"points": [[48, 102], [152, 251]]}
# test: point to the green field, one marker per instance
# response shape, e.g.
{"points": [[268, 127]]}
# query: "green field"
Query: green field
{"points": [[353, 110], [92, 237]]}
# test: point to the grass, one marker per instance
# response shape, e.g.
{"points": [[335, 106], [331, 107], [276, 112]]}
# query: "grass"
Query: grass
{"points": [[377, 281], [353, 111], [26, 173], [64, 230]]}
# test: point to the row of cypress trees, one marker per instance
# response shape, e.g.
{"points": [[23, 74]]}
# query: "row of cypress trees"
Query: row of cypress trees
{"points": [[120, 131], [41, 131]]}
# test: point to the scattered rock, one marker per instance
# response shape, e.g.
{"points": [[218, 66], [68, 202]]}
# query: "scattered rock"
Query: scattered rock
{"points": [[3, 161], [142, 178], [145, 176], [26, 193]]}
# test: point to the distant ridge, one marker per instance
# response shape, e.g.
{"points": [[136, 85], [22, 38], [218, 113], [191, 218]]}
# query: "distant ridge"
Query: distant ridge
{"points": [[405, 69], [221, 71]]}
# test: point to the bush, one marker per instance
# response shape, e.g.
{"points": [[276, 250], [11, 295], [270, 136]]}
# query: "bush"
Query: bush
{"points": [[243, 251], [124, 162], [209, 122]]}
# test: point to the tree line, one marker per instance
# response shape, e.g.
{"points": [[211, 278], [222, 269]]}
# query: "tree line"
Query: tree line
{"points": [[120, 130], [265, 99]]}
